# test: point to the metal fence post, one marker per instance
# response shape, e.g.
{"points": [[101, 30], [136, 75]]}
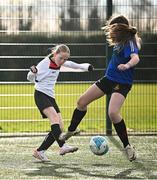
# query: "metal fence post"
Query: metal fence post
{"points": [[108, 121]]}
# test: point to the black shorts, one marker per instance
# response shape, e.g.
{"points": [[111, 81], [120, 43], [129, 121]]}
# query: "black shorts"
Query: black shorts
{"points": [[109, 87], [43, 101]]}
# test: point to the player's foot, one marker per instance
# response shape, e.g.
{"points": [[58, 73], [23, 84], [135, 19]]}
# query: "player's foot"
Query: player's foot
{"points": [[130, 152], [40, 155], [67, 149], [65, 136]]}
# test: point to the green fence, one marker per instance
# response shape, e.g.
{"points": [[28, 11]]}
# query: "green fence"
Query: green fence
{"points": [[28, 28]]}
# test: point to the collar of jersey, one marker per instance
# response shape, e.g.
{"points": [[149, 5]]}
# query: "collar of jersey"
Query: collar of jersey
{"points": [[53, 65]]}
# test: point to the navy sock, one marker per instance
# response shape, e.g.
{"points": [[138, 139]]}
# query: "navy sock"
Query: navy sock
{"points": [[122, 132], [56, 131], [76, 119], [48, 141]]}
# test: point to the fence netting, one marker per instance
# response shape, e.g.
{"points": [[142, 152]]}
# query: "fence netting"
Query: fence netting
{"points": [[29, 28]]}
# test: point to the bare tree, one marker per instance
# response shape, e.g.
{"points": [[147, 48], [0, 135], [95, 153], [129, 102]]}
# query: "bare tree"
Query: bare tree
{"points": [[22, 24], [144, 15], [94, 22], [73, 23], [1, 25]]}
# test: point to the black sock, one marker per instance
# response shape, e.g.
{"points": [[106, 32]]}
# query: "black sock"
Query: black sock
{"points": [[122, 132], [56, 131], [48, 141], [76, 119]]}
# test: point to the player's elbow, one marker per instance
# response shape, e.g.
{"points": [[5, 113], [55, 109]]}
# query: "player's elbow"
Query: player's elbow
{"points": [[30, 77], [135, 58], [138, 60]]}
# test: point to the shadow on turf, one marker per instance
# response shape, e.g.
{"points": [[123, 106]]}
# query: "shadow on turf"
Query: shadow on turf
{"points": [[139, 164], [71, 170], [66, 170], [75, 169]]}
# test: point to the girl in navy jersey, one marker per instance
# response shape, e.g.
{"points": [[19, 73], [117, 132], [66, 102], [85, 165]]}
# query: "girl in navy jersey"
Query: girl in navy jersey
{"points": [[117, 81], [44, 75]]}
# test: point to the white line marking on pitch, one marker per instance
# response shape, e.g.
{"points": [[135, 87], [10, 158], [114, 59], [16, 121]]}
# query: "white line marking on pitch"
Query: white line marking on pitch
{"points": [[35, 169]]}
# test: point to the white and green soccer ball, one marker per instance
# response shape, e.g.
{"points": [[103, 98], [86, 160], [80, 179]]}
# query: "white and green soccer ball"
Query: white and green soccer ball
{"points": [[99, 145]]}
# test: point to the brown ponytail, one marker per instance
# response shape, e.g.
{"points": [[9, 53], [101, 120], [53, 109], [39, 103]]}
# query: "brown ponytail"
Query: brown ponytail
{"points": [[133, 30], [118, 30]]}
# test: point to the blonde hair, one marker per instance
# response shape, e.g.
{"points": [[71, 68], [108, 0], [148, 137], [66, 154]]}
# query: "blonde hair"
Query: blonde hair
{"points": [[60, 48], [118, 30]]}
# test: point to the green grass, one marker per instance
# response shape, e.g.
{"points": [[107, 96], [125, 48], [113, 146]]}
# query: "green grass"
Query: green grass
{"points": [[139, 110], [16, 161]]}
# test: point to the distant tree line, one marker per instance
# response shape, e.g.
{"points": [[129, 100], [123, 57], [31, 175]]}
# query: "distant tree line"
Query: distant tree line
{"points": [[70, 15]]}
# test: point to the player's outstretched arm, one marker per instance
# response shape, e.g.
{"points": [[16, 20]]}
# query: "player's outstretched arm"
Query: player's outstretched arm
{"points": [[133, 62], [83, 66]]}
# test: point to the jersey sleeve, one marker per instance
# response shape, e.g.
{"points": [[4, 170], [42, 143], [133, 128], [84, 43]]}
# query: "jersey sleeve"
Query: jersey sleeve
{"points": [[73, 65], [130, 48]]}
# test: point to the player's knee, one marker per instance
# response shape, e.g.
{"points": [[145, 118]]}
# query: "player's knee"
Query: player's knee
{"points": [[113, 115], [81, 104]]}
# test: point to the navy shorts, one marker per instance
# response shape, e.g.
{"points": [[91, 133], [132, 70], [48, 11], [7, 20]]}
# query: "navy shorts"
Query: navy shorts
{"points": [[109, 87], [43, 101]]}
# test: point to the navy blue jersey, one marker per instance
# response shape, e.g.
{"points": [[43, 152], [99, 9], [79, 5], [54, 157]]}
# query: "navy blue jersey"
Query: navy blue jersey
{"points": [[121, 55]]}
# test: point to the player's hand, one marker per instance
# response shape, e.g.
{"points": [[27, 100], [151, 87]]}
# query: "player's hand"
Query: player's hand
{"points": [[33, 69], [49, 50], [90, 68], [123, 67]]}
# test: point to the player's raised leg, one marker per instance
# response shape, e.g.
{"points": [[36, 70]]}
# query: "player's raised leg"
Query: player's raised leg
{"points": [[89, 96]]}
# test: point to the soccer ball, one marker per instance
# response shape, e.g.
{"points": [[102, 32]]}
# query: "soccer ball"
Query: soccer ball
{"points": [[99, 145]]}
